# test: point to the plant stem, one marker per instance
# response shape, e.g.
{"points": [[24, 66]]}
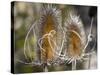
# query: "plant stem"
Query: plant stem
{"points": [[74, 65], [45, 69], [89, 65]]}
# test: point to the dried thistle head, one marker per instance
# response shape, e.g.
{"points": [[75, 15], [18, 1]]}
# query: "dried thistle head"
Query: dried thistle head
{"points": [[75, 35], [50, 21]]}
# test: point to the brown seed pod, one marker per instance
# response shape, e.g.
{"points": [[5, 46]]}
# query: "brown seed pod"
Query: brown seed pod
{"points": [[50, 20], [76, 38]]}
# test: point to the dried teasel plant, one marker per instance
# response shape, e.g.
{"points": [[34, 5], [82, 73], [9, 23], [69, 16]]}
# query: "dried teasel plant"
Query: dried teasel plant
{"points": [[50, 43], [77, 42], [44, 33]]}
